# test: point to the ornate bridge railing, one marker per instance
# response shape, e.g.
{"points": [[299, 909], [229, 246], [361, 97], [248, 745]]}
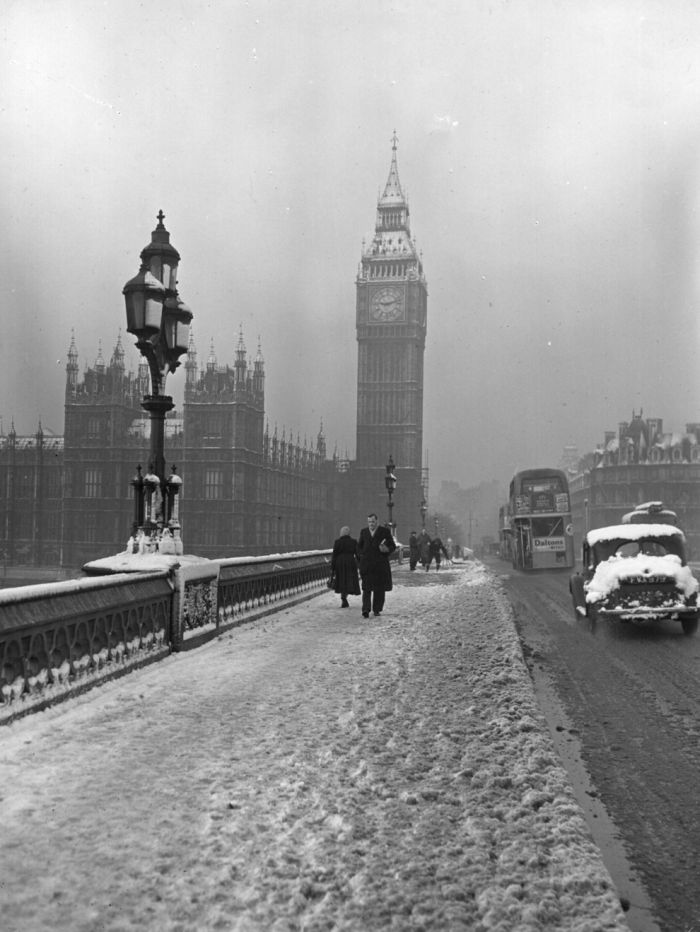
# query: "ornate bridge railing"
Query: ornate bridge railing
{"points": [[220, 594], [59, 639], [247, 586], [62, 638]]}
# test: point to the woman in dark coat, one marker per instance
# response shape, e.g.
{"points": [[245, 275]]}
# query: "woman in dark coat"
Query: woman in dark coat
{"points": [[344, 567]]}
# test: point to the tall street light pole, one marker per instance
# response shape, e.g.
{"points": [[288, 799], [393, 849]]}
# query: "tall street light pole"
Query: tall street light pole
{"points": [[390, 483], [160, 321], [423, 512]]}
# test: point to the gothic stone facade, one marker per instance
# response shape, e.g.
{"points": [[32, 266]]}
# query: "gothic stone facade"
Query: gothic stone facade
{"points": [[65, 501], [640, 463]]}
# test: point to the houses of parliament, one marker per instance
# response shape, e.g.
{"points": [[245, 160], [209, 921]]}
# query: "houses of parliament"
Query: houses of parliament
{"points": [[246, 490]]}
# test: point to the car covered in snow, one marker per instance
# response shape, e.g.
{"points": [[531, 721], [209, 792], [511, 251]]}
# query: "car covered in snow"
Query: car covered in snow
{"points": [[651, 513], [636, 573]]}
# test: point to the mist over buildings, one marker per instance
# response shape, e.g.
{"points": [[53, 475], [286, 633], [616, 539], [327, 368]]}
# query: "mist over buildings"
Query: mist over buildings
{"points": [[549, 152]]}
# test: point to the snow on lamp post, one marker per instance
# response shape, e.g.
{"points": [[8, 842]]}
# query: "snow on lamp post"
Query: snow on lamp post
{"points": [[160, 321]]}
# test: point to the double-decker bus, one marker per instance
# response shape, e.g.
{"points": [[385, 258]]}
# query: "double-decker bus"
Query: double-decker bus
{"points": [[541, 532]]}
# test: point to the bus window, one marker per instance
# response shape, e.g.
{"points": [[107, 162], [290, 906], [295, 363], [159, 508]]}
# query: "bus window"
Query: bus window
{"points": [[548, 527]]}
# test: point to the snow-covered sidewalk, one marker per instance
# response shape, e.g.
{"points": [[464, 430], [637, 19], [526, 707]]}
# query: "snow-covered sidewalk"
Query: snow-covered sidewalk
{"points": [[310, 770]]}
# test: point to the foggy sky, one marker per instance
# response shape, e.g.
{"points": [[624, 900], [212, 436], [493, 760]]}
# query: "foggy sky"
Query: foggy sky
{"points": [[551, 156]]}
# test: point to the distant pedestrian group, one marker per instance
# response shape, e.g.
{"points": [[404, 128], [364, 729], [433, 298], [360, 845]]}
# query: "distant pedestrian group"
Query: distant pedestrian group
{"points": [[423, 549]]}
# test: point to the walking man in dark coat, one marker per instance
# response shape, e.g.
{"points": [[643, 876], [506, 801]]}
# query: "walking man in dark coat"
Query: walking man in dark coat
{"points": [[373, 549]]}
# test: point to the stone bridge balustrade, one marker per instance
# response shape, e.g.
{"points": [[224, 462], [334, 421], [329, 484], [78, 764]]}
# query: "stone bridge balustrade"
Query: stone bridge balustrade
{"points": [[253, 583], [61, 638]]}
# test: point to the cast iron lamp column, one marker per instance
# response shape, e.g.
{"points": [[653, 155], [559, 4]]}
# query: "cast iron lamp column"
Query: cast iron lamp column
{"points": [[160, 322], [390, 483], [423, 512]]}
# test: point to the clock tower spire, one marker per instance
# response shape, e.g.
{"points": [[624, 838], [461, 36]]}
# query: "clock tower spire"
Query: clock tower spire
{"points": [[391, 314]]}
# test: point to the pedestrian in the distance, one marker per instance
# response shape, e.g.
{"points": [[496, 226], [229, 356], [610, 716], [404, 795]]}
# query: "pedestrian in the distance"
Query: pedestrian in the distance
{"points": [[436, 549], [413, 550], [373, 549], [424, 548], [344, 567]]}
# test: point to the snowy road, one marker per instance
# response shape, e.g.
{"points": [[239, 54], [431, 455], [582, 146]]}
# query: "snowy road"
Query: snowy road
{"points": [[310, 770], [628, 698]]}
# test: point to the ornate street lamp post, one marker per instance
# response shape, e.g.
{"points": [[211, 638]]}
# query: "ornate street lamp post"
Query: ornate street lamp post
{"points": [[390, 483], [423, 512], [160, 321]]}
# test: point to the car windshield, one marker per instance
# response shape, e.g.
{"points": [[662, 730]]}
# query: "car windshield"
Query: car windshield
{"points": [[654, 547]]}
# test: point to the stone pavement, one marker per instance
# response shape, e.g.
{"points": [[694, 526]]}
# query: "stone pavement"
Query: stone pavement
{"points": [[309, 770]]}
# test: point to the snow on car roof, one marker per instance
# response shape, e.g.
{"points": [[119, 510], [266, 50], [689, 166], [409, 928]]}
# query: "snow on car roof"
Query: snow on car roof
{"points": [[632, 532]]}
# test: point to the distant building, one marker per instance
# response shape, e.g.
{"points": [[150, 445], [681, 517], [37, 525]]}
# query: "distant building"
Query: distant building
{"points": [[639, 463], [67, 500], [106, 436], [248, 490], [31, 499], [570, 458], [391, 322]]}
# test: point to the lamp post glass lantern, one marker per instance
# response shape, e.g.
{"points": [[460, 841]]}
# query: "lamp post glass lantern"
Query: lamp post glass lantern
{"points": [[390, 483], [160, 321]]}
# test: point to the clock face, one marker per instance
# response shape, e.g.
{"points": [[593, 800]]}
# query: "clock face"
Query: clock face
{"points": [[386, 305]]}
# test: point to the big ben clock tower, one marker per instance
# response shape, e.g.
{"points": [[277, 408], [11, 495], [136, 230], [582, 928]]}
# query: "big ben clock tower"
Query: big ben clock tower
{"points": [[391, 309]]}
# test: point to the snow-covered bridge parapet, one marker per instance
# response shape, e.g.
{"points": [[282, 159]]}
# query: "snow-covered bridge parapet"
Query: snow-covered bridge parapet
{"points": [[251, 584], [59, 639]]}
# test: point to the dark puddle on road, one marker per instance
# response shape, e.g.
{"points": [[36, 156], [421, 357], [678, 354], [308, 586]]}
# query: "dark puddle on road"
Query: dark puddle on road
{"points": [[632, 893]]}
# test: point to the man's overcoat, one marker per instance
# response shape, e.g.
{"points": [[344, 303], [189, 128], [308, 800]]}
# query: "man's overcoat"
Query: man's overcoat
{"points": [[374, 565]]}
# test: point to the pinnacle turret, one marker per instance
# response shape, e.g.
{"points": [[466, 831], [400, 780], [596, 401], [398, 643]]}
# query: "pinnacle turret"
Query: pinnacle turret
{"points": [[393, 195], [241, 363], [392, 252], [117, 360], [72, 365], [211, 358]]}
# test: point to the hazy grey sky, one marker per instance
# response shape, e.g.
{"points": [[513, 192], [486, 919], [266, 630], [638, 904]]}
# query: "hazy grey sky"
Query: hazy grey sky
{"points": [[551, 155]]}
